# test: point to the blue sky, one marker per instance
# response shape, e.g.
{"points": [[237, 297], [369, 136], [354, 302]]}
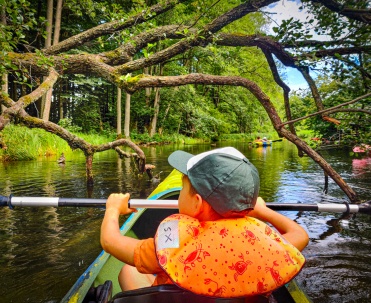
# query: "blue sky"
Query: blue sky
{"points": [[285, 9], [294, 79]]}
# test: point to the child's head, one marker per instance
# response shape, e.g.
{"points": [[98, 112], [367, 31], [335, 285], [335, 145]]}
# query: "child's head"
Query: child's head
{"points": [[223, 177]]}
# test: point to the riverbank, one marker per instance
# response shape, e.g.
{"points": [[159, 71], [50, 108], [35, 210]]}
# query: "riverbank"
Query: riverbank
{"points": [[19, 143]]}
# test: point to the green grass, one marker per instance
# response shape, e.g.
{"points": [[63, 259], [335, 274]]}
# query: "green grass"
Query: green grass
{"points": [[236, 137], [96, 139], [165, 138], [21, 143]]}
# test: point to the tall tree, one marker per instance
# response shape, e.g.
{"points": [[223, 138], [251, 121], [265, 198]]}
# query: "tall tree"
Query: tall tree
{"points": [[118, 102], [49, 23], [156, 108], [47, 98], [4, 78], [127, 116], [57, 25]]}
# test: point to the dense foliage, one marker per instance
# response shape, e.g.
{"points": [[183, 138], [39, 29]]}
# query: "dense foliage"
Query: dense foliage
{"points": [[90, 102], [199, 111], [200, 68]]}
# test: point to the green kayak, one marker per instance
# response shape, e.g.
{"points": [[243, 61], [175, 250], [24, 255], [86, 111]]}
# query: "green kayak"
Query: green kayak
{"points": [[99, 281]]}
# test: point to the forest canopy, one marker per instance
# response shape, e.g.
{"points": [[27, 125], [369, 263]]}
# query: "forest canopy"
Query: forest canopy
{"points": [[200, 68]]}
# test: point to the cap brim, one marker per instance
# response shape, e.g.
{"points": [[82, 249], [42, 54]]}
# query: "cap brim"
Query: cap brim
{"points": [[179, 160]]}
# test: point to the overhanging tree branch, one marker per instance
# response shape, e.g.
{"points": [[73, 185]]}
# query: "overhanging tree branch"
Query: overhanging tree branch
{"points": [[264, 100], [334, 51], [350, 110], [115, 64], [362, 15], [110, 27], [14, 108], [331, 109]]}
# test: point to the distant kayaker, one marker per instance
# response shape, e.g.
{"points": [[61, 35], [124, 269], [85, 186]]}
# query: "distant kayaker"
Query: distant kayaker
{"points": [[218, 245]]}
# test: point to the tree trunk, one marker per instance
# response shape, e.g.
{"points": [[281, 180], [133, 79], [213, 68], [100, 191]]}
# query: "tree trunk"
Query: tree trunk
{"points": [[156, 106], [289, 117], [61, 91], [166, 112], [47, 98], [4, 87], [89, 169], [61, 113], [47, 104], [328, 170], [57, 28], [118, 129], [49, 25], [147, 89], [127, 116]]}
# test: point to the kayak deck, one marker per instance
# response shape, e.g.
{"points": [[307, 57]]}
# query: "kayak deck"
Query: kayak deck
{"points": [[261, 143], [142, 225]]}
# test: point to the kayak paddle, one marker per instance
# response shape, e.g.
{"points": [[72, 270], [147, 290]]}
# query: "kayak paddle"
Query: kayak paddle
{"points": [[12, 202]]}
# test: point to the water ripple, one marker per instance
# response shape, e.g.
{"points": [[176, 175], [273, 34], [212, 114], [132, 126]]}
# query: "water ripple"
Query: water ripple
{"points": [[44, 250]]}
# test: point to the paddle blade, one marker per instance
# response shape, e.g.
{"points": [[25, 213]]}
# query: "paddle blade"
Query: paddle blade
{"points": [[365, 208], [4, 201]]}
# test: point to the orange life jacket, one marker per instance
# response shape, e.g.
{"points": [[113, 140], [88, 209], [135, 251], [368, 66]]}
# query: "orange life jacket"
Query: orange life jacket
{"points": [[225, 258]]}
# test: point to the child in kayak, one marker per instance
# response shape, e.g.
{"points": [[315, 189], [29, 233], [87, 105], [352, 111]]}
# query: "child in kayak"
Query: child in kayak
{"points": [[218, 245]]}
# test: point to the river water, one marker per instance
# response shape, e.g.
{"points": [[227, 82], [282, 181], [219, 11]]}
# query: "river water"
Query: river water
{"points": [[44, 250]]}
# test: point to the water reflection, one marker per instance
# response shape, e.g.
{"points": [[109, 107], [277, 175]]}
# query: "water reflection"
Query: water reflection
{"points": [[44, 250], [347, 275], [361, 166]]}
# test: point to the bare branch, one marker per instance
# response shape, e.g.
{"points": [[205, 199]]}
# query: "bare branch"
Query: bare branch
{"points": [[362, 15], [15, 108], [201, 39], [334, 51], [264, 100], [331, 109], [260, 41], [110, 27], [358, 67], [286, 89], [125, 52], [317, 43], [350, 110]]}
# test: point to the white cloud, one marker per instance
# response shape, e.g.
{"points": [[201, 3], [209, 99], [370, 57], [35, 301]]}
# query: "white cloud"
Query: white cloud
{"points": [[286, 9], [283, 10]]}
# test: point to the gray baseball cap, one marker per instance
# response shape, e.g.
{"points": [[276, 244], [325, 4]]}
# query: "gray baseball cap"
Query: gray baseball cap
{"points": [[223, 177]]}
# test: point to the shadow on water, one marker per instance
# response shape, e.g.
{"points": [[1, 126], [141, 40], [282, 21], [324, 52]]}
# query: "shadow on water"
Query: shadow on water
{"points": [[44, 250]]}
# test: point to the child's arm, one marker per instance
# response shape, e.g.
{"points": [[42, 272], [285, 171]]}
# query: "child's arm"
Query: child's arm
{"points": [[291, 231], [112, 241]]}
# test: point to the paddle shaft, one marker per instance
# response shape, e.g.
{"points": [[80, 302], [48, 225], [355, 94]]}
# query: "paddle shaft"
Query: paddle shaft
{"points": [[173, 204], [76, 202]]}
